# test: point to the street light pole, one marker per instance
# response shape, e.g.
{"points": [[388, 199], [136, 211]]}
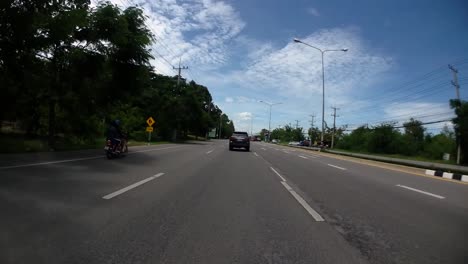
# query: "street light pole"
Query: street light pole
{"points": [[269, 122], [323, 99], [323, 81]]}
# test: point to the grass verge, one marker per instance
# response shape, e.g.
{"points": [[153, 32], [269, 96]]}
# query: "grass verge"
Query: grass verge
{"points": [[398, 156], [18, 143]]}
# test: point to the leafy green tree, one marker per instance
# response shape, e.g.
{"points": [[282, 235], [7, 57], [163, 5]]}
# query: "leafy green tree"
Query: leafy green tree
{"points": [[384, 138], [413, 137], [461, 127]]}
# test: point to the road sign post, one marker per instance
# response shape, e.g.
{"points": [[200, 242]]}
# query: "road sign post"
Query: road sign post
{"points": [[150, 121]]}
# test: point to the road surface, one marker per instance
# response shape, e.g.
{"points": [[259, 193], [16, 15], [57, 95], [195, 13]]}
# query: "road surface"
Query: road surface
{"points": [[201, 203]]}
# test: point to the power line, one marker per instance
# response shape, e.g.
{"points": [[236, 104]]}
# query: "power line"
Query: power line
{"points": [[426, 91], [401, 119], [422, 124]]}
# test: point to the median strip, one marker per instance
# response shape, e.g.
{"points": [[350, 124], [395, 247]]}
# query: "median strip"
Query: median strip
{"points": [[420, 191], [128, 188], [448, 175]]}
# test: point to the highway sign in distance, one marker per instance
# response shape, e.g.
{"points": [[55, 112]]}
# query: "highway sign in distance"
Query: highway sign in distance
{"points": [[149, 129], [150, 121]]}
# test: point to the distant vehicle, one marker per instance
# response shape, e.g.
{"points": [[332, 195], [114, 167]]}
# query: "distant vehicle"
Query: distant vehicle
{"points": [[239, 140], [294, 143], [305, 143], [274, 141]]}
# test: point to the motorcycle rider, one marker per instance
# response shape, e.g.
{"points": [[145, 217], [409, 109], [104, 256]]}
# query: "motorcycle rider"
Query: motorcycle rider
{"points": [[114, 134]]}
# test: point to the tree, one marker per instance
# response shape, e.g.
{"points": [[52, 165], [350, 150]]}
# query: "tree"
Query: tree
{"points": [[314, 134], [263, 132], [413, 137], [68, 69], [461, 127], [384, 138]]}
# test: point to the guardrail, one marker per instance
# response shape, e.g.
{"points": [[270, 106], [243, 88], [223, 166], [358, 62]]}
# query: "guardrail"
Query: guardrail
{"points": [[414, 163]]}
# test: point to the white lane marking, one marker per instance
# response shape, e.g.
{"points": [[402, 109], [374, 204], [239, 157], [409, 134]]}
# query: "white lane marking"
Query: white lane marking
{"points": [[277, 149], [209, 151], [304, 204], [277, 173], [255, 153], [78, 159], [128, 188], [285, 152], [420, 191], [304, 157], [334, 166], [264, 148]]}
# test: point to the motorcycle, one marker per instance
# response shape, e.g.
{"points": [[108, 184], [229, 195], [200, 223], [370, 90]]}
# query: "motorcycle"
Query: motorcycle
{"points": [[114, 149]]}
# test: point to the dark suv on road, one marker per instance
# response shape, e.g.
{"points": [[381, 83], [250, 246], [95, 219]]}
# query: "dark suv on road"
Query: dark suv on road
{"points": [[239, 140]]}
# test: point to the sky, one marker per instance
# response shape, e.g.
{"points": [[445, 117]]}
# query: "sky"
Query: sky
{"points": [[396, 66]]}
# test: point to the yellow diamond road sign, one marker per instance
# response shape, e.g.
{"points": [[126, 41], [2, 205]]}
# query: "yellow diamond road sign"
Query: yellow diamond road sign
{"points": [[150, 121], [149, 129]]}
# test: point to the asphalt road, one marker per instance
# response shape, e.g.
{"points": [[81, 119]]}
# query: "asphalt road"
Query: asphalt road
{"points": [[201, 203]]}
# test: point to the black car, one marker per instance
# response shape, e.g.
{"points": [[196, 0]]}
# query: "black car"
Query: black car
{"points": [[239, 140]]}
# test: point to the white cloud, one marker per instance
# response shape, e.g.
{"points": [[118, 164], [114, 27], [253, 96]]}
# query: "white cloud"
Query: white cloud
{"points": [[244, 116], [295, 69], [313, 11], [242, 121], [195, 30], [229, 100]]}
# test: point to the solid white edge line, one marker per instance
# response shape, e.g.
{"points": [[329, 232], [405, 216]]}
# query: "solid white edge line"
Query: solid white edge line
{"points": [[210, 151], [304, 204], [78, 159], [128, 188], [277, 173], [304, 157], [420, 191], [255, 153], [334, 166]]}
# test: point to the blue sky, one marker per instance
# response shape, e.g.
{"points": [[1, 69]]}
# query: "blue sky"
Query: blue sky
{"points": [[396, 66]]}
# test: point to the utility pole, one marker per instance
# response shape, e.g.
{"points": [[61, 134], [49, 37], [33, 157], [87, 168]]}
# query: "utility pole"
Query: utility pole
{"points": [[311, 127], [180, 70], [312, 120], [457, 90], [251, 125], [297, 123], [334, 127]]}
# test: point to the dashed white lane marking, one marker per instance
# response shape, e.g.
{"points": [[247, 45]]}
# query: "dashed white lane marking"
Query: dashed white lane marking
{"points": [[78, 159], [128, 188], [255, 153], [263, 148], [304, 157], [420, 191], [277, 173], [277, 149], [286, 152], [304, 204], [334, 166], [208, 152]]}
